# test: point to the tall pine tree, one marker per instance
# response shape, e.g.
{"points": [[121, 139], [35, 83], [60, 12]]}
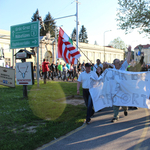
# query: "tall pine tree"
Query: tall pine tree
{"points": [[49, 26], [35, 16], [73, 35], [83, 35]]}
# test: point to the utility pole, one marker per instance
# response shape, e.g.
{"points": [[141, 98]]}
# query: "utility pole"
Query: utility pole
{"points": [[104, 43], [77, 23], [55, 56]]}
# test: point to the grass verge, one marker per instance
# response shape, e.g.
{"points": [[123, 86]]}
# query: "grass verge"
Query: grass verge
{"points": [[29, 123]]}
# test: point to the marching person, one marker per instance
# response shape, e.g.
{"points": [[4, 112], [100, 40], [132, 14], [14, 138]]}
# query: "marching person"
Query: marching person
{"points": [[119, 66], [60, 68], [71, 72], [49, 71], [83, 67], [75, 73], [56, 69], [79, 68], [45, 69], [84, 78], [52, 70], [65, 73], [97, 64]]}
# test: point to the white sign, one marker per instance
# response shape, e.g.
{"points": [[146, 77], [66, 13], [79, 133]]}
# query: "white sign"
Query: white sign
{"points": [[7, 76], [121, 88], [24, 74], [21, 55]]}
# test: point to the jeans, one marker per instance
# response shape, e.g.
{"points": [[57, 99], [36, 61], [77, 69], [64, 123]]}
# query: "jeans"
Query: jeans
{"points": [[65, 76], [90, 110], [60, 74], [86, 94], [116, 110]]}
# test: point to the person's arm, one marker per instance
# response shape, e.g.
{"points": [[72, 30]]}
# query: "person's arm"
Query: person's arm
{"points": [[111, 65], [129, 54], [78, 87], [47, 62]]}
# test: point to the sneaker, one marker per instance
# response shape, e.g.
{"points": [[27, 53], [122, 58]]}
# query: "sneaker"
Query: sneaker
{"points": [[88, 121], [125, 113], [114, 119]]}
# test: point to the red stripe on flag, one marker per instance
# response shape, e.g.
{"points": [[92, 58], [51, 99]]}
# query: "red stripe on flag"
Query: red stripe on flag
{"points": [[76, 53], [61, 32], [73, 59], [71, 48], [60, 44], [69, 56], [67, 43], [65, 54]]}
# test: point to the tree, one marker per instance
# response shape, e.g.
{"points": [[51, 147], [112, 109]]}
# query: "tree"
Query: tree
{"points": [[73, 35], [35, 16], [134, 14], [95, 43], [118, 43], [83, 35], [49, 26]]}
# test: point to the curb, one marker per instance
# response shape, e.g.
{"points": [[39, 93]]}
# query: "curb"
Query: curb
{"points": [[62, 137]]}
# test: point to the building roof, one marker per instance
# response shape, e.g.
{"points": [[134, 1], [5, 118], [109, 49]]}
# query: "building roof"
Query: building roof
{"points": [[144, 46], [109, 46]]}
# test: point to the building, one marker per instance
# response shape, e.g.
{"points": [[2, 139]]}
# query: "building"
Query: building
{"points": [[94, 52], [5, 51], [47, 50], [146, 50]]}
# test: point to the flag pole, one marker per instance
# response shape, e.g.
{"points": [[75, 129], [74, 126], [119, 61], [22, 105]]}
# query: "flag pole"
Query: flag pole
{"points": [[82, 52]]}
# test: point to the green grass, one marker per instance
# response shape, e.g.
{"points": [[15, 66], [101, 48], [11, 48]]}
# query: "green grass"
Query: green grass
{"points": [[44, 111]]}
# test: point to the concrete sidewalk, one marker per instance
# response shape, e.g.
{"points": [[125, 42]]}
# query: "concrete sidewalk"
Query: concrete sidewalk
{"points": [[130, 132]]}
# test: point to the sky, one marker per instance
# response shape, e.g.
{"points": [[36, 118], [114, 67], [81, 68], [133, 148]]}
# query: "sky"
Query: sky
{"points": [[97, 16]]}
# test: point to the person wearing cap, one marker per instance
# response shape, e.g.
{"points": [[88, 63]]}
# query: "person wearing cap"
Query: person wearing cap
{"points": [[84, 78], [98, 64]]}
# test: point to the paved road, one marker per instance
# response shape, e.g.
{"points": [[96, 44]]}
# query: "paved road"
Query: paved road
{"points": [[131, 132]]}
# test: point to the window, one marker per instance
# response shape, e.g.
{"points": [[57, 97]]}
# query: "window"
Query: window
{"points": [[8, 61]]}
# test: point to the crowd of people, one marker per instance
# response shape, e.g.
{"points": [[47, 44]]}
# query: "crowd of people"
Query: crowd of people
{"points": [[65, 72], [82, 72], [98, 68]]}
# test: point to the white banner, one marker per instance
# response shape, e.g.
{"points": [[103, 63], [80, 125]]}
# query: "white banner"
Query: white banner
{"points": [[120, 88]]}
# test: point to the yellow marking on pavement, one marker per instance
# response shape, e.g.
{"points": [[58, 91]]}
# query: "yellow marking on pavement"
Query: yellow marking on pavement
{"points": [[144, 131], [61, 138]]}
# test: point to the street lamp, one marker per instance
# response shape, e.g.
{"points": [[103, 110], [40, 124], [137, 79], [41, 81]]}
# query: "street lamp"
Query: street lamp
{"points": [[104, 43]]}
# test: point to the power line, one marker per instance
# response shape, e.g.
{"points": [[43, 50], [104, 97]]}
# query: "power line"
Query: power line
{"points": [[60, 11]]}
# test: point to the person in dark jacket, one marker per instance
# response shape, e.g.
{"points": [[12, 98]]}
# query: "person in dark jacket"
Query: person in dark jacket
{"points": [[53, 69]]}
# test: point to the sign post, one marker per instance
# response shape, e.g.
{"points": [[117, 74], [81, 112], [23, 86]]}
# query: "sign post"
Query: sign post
{"points": [[22, 36]]}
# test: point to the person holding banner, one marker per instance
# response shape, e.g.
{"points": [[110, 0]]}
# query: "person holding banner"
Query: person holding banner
{"points": [[119, 66], [84, 78], [97, 64]]}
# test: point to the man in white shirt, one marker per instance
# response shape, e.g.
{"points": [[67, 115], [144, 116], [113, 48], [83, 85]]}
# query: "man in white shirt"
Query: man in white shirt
{"points": [[98, 64], [84, 78]]}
